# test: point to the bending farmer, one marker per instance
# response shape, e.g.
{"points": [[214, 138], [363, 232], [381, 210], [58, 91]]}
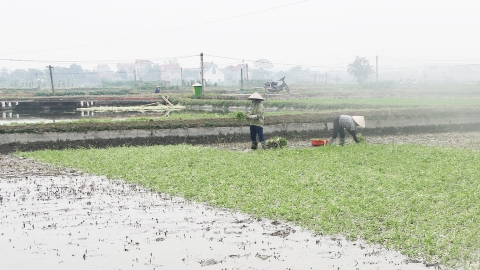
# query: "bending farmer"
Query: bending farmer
{"points": [[350, 123], [256, 120]]}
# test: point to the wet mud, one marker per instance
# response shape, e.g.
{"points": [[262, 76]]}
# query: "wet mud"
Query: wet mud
{"points": [[57, 218]]}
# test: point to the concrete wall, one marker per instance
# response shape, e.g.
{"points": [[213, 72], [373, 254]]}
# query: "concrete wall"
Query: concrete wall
{"points": [[24, 138], [123, 134]]}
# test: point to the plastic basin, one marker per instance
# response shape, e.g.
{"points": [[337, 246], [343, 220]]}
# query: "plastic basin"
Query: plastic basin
{"points": [[319, 142]]}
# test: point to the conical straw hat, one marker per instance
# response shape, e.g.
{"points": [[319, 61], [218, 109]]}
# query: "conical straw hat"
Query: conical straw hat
{"points": [[359, 120], [256, 95]]}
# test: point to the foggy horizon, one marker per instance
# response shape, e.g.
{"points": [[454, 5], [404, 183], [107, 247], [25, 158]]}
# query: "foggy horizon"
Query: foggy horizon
{"points": [[317, 35]]}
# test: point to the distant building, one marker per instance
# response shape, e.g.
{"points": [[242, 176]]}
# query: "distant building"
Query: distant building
{"points": [[143, 66], [212, 74], [191, 74], [103, 71], [147, 70], [233, 74], [171, 74], [126, 71]]}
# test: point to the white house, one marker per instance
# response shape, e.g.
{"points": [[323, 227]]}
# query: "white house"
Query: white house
{"points": [[212, 74], [147, 71], [233, 74]]}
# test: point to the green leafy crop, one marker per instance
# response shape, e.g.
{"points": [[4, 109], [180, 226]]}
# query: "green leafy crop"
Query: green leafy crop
{"points": [[240, 115], [276, 142], [422, 201]]}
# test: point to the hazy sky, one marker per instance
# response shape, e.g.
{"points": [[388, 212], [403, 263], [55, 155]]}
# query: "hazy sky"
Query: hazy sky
{"points": [[315, 33]]}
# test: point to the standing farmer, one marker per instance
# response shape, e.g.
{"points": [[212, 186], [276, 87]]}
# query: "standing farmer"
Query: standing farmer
{"points": [[256, 120], [350, 123]]}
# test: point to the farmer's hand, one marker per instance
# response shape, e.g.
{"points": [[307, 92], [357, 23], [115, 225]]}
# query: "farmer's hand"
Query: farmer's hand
{"points": [[252, 116]]}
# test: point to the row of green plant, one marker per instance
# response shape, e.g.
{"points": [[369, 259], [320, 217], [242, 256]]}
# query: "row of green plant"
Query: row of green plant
{"points": [[422, 201], [317, 103], [311, 104]]}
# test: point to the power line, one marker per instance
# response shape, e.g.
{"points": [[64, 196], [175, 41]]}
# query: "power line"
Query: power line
{"points": [[237, 60], [91, 61], [313, 66], [176, 57], [167, 31]]}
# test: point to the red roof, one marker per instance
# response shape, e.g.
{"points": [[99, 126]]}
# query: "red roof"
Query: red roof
{"points": [[232, 68]]}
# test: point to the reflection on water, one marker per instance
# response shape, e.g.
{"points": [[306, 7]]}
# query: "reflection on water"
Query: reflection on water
{"points": [[6, 115], [11, 112], [50, 117], [69, 114]]}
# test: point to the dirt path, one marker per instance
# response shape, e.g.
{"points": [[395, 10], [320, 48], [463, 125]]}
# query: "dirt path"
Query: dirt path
{"points": [[465, 140], [54, 218]]}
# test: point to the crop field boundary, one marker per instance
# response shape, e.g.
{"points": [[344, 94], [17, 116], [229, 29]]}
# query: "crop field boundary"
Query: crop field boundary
{"points": [[292, 131]]}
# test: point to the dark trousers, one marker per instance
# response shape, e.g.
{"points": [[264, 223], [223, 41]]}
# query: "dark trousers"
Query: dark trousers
{"points": [[337, 129], [254, 131]]}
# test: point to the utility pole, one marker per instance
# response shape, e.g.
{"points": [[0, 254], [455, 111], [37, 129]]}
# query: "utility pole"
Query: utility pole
{"points": [[241, 79], [326, 76], [135, 77], [376, 65], [315, 78], [51, 77], [181, 78], [201, 69]]}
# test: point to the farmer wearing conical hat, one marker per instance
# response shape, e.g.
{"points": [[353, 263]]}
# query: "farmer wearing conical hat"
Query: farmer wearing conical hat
{"points": [[350, 123], [256, 120]]}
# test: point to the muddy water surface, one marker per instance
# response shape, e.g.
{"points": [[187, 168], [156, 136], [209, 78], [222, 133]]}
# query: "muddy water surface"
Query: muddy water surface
{"points": [[54, 218]]}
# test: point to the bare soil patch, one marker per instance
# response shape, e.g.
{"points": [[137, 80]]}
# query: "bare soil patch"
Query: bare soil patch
{"points": [[464, 140]]}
